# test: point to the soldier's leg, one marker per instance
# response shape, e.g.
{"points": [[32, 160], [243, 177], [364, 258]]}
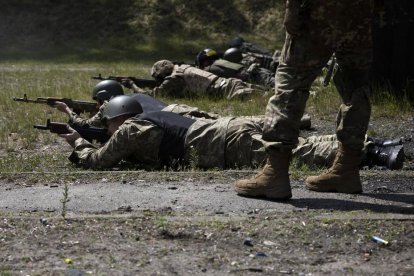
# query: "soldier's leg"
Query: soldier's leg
{"points": [[190, 111], [244, 146], [231, 88], [261, 76], [316, 151], [353, 53], [300, 63], [305, 121]]}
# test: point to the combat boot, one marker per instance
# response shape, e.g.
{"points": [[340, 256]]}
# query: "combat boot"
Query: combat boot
{"points": [[342, 176], [273, 181], [386, 142], [391, 157]]}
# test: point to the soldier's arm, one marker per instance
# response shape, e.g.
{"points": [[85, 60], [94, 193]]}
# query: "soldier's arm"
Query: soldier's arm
{"points": [[94, 121], [139, 142], [171, 86]]}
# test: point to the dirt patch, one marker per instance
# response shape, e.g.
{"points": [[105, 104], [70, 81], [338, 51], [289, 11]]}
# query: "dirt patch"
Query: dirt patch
{"points": [[168, 243]]}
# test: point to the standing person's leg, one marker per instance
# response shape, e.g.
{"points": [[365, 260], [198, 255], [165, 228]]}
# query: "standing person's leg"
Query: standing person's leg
{"points": [[353, 52], [301, 61]]}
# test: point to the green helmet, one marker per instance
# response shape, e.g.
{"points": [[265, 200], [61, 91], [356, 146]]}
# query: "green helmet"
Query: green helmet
{"points": [[121, 105], [106, 89], [161, 69]]}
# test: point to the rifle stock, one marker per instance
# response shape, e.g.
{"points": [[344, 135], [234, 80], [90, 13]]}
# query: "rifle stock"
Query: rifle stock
{"points": [[77, 106], [88, 133], [149, 83]]}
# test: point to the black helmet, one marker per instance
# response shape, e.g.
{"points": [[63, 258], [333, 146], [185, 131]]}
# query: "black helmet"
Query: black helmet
{"points": [[106, 89], [209, 55], [236, 42], [233, 55], [121, 105]]}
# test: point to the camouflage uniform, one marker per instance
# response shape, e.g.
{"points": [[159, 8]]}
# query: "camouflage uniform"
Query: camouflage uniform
{"points": [[267, 62], [253, 53], [313, 34], [252, 74], [186, 80], [249, 47], [190, 111], [224, 143], [182, 109], [94, 121], [320, 150]]}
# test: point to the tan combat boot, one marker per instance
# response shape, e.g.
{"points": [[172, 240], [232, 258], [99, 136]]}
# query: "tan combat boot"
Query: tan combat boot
{"points": [[342, 176], [272, 182]]}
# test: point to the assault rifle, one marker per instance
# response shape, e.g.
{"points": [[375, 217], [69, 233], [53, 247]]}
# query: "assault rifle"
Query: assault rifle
{"points": [[88, 133], [138, 82], [77, 106]]}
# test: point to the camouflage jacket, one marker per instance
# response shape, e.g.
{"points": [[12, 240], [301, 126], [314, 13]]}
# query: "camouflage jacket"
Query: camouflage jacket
{"points": [[185, 80], [94, 121]]}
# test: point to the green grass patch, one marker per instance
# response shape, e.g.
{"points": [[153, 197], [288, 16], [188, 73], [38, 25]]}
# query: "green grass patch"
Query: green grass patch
{"points": [[387, 105]]}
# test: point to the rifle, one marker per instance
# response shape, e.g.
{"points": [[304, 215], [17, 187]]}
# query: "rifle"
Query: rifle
{"points": [[333, 67], [77, 106], [139, 82], [88, 133]]}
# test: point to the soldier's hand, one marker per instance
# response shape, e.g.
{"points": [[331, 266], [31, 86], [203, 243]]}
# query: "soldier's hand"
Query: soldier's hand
{"points": [[62, 107], [71, 136], [127, 83]]}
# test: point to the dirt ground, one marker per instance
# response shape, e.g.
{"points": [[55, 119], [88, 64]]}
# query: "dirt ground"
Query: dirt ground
{"points": [[146, 223]]}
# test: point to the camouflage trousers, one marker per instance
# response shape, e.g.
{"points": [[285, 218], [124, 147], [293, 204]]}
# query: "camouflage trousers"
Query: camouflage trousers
{"points": [[237, 143], [190, 111], [231, 88], [261, 76], [319, 151], [323, 28]]}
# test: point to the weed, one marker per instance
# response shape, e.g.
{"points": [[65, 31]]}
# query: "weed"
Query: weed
{"points": [[193, 158], [388, 105], [323, 101], [65, 200], [160, 222], [299, 169], [5, 271]]}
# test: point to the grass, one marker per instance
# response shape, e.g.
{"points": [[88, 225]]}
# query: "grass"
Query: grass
{"points": [[73, 80]]}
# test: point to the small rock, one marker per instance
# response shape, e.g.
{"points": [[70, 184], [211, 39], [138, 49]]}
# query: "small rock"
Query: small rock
{"points": [[248, 242], [261, 254], [269, 243], [125, 208]]}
